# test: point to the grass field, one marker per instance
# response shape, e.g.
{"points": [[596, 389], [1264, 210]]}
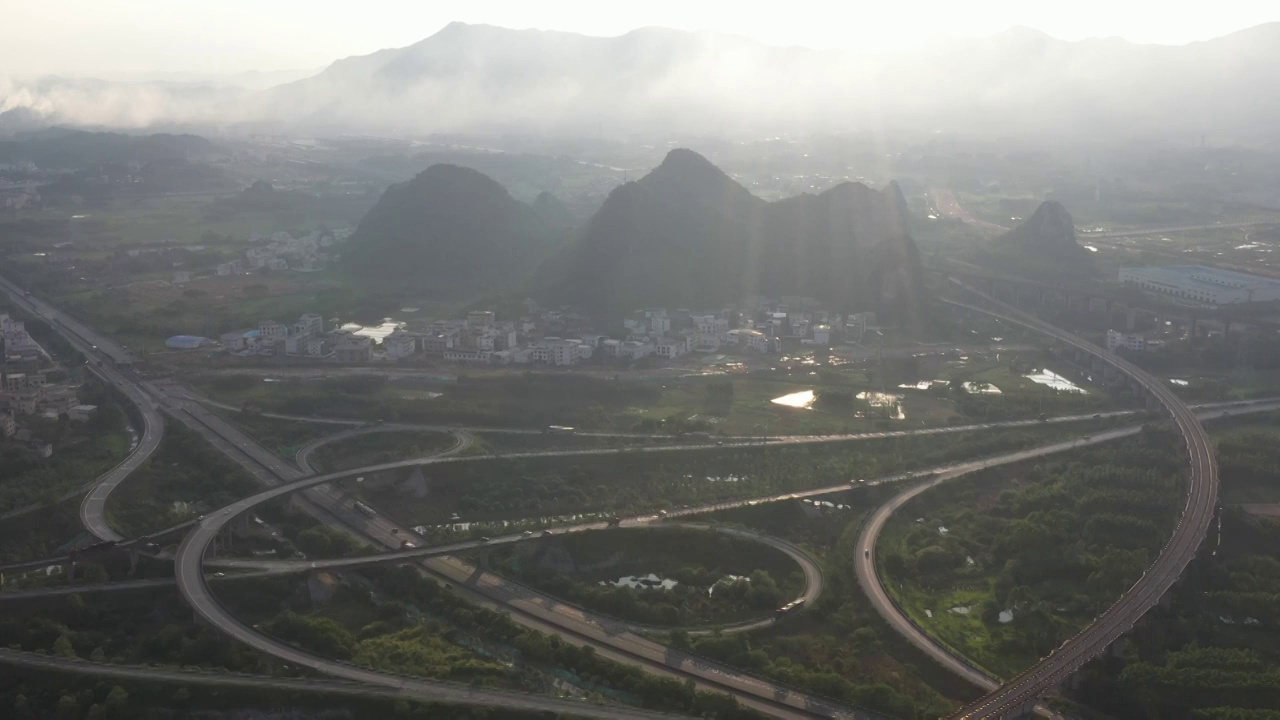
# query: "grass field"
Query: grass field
{"points": [[282, 437], [712, 579], [738, 404], [952, 615], [629, 482], [1003, 565], [374, 448], [1248, 474]]}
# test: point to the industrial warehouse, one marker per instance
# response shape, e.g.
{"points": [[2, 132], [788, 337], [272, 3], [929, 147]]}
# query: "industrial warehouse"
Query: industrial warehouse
{"points": [[1210, 286]]}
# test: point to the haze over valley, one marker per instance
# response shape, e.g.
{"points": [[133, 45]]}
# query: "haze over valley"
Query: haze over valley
{"points": [[655, 81], [851, 362]]}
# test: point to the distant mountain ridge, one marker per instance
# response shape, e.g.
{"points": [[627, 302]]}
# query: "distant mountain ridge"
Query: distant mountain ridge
{"points": [[1043, 247], [450, 231], [1021, 80], [1049, 230], [478, 78], [687, 235], [66, 149]]}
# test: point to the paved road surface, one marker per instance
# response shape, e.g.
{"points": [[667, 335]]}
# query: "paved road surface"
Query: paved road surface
{"points": [[408, 688], [945, 202], [464, 441], [1137, 232]]}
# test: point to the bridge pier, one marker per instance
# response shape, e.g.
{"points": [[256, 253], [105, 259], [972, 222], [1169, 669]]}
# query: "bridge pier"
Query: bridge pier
{"points": [[133, 561], [1111, 375], [1116, 649], [1024, 301], [1114, 309]]}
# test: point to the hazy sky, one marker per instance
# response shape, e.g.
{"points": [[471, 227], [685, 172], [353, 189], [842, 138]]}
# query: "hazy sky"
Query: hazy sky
{"points": [[103, 37]]}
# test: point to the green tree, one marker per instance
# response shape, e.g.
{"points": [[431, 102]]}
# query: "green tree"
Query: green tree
{"points": [[117, 698], [68, 707], [62, 647]]}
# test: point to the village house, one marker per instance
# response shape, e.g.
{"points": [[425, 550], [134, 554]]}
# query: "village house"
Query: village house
{"points": [[400, 344]]}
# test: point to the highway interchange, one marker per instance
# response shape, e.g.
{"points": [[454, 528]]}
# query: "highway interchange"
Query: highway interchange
{"points": [[488, 590], [544, 613]]}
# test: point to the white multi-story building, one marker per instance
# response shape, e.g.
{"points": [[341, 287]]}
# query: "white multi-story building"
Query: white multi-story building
{"points": [[482, 340], [8, 425], [1128, 341], [710, 324], [25, 402], [750, 339], [438, 343], [318, 346], [632, 350], [468, 356], [258, 256], [181, 276], [309, 324], [799, 324], [233, 340], [672, 347], [272, 330], [400, 344], [505, 336], [13, 382], [480, 318], [350, 348], [16, 339], [559, 351], [296, 344], [511, 356], [706, 342], [58, 401]]}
